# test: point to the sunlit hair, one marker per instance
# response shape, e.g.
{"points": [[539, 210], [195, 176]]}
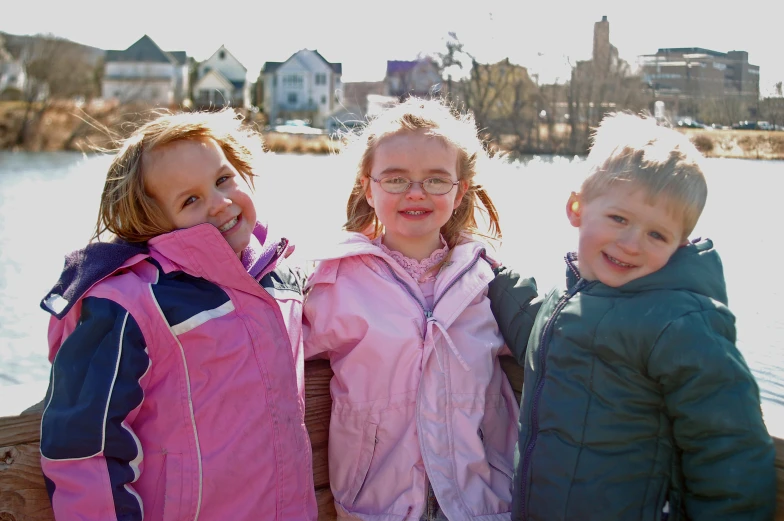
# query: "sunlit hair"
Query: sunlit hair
{"points": [[126, 210], [634, 149], [439, 121]]}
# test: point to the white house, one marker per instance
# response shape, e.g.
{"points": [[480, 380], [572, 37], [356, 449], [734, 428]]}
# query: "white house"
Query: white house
{"points": [[13, 76], [13, 79], [144, 72], [221, 81], [306, 86]]}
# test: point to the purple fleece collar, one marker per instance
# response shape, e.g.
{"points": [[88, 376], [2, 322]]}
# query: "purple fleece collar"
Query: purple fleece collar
{"points": [[260, 252]]}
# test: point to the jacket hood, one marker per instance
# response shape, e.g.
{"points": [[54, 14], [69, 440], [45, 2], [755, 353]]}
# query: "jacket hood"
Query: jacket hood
{"points": [[349, 244], [695, 267], [85, 267]]}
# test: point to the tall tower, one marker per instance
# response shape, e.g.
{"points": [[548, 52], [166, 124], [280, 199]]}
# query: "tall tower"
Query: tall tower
{"points": [[601, 46]]}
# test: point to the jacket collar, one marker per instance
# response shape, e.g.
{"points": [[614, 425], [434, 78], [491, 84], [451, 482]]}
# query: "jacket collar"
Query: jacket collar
{"points": [[202, 251], [695, 267], [350, 244]]}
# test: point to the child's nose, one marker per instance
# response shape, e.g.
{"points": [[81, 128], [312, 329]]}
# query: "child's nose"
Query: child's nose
{"points": [[218, 204], [416, 191], [629, 241]]}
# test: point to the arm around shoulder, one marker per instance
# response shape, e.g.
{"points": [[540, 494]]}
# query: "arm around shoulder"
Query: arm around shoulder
{"points": [[514, 302], [713, 403]]}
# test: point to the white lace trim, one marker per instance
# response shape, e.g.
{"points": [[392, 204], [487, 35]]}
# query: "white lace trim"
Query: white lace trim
{"points": [[420, 271]]}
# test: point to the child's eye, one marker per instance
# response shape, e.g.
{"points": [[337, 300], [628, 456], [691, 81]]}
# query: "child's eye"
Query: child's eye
{"points": [[396, 181], [618, 219], [190, 200], [657, 236], [436, 181], [222, 179]]}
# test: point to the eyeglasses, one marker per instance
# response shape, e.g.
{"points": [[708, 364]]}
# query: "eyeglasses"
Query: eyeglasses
{"points": [[431, 185]]}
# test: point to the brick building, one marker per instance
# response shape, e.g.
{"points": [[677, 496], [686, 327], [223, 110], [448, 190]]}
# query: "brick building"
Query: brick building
{"points": [[684, 76]]}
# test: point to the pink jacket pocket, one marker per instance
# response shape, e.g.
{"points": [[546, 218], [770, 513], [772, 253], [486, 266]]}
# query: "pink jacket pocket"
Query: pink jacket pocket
{"points": [[366, 451]]}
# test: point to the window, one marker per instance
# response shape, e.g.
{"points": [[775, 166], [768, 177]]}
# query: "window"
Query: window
{"points": [[323, 100], [321, 79], [292, 80], [222, 55], [292, 99]]}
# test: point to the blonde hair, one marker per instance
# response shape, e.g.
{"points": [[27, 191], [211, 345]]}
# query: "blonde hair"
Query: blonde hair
{"points": [[442, 122], [662, 161], [126, 210]]}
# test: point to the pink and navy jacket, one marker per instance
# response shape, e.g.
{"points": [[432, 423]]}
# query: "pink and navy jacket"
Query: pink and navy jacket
{"points": [[177, 388], [418, 393]]}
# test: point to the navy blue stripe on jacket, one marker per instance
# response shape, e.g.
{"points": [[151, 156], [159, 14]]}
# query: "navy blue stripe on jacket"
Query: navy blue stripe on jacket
{"points": [[181, 296], [94, 385]]}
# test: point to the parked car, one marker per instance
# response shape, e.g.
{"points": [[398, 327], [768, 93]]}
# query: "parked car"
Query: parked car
{"points": [[297, 126], [691, 123], [753, 125]]}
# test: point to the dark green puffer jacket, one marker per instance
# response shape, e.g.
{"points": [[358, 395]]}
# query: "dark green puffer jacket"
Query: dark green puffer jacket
{"points": [[635, 398]]}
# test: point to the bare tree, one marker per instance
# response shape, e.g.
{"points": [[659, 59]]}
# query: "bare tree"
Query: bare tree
{"points": [[56, 69], [725, 110], [595, 91], [500, 95]]}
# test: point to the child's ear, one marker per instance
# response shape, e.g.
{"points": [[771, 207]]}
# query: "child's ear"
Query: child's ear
{"points": [[574, 210], [365, 182], [462, 188]]}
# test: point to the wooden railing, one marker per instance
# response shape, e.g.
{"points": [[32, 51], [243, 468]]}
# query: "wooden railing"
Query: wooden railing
{"points": [[23, 496]]}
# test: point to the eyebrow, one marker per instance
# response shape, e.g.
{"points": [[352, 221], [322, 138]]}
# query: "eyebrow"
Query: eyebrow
{"points": [[400, 170]]}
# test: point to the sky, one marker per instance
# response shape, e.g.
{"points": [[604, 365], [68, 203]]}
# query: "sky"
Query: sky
{"points": [[362, 35]]}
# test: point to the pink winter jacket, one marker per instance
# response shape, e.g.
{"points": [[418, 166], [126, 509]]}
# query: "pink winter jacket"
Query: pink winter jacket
{"points": [[177, 387], [418, 394]]}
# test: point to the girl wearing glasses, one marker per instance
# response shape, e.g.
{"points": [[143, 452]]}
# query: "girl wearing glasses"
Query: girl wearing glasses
{"points": [[423, 418]]}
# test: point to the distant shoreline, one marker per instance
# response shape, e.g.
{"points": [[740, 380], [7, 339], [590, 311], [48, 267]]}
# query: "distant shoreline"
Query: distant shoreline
{"points": [[92, 128], [738, 144]]}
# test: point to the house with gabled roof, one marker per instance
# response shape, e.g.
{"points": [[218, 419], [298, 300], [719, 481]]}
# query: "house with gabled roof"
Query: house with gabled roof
{"points": [[221, 81], [412, 78], [146, 73], [306, 86]]}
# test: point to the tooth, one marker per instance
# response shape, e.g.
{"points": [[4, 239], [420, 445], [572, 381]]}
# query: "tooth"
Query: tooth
{"points": [[228, 225]]}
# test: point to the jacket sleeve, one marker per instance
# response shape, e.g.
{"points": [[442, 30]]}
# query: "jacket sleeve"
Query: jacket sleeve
{"points": [[90, 456], [319, 335], [514, 302], [713, 403]]}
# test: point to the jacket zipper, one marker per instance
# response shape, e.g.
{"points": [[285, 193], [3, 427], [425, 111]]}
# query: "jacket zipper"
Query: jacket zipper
{"points": [[465, 270], [538, 391], [428, 313]]}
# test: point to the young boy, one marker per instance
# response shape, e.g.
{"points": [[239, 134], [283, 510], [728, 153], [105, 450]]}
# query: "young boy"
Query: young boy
{"points": [[636, 403]]}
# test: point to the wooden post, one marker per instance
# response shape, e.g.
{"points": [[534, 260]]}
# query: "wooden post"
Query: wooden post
{"points": [[23, 496]]}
